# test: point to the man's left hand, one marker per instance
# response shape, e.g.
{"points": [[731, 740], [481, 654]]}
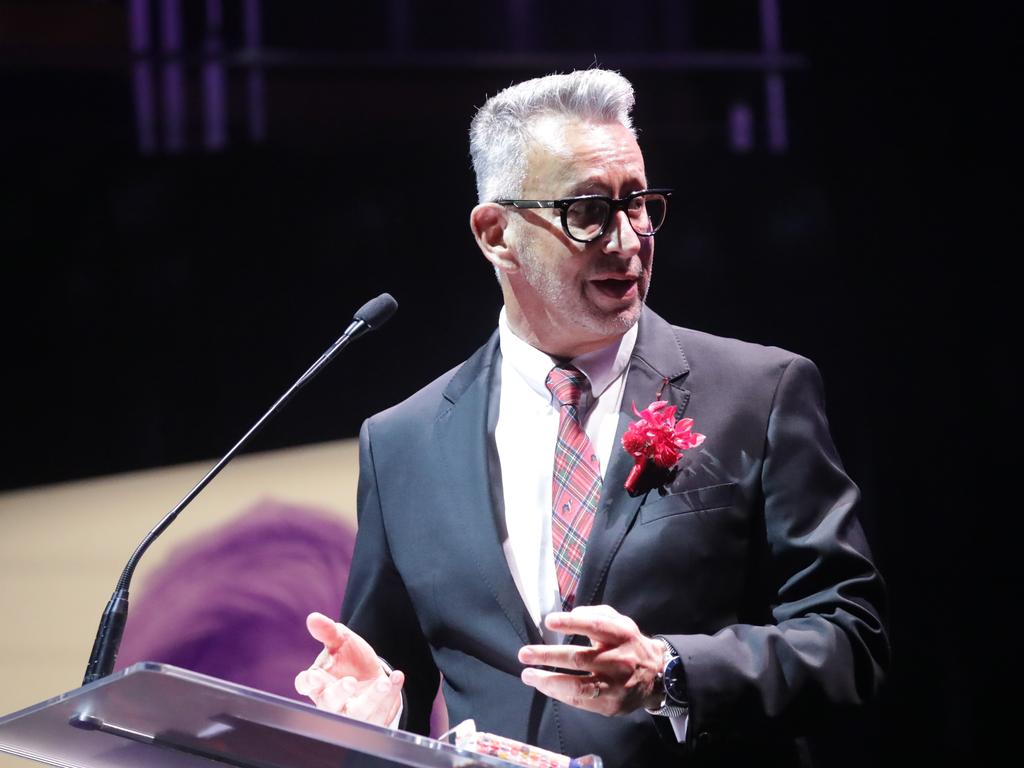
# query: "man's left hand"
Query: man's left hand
{"points": [[622, 664]]}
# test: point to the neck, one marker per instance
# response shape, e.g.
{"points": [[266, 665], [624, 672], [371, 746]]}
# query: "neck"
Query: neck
{"points": [[559, 342]]}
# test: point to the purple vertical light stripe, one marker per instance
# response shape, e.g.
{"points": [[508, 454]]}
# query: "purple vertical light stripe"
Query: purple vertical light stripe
{"points": [[741, 127], [140, 41], [775, 95], [253, 33], [774, 84], [215, 133], [214, 16], [215, 86], [174, 105], [771, 37], [139, 26], [170, 25], [252, 20]]}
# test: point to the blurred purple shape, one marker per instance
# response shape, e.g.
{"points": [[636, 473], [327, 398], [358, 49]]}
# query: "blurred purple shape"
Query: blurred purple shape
{"points": [[775, 95], [215, 109], [174, 99], [139, 23], [741, 127], [233, 602], [252, 26], [774, 86]]}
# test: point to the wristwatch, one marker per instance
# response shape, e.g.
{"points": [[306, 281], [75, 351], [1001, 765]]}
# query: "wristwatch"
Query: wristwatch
{"points": [[672, 680]]}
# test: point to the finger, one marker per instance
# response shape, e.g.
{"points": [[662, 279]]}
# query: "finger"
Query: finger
{"points": [[575, 690], [309, 682], [303, 685], [345, 652], [561, 656], [312, 682], [607, 663], [397, 703], [326, 631], [378, 703], [600, 624], [336, 696]]}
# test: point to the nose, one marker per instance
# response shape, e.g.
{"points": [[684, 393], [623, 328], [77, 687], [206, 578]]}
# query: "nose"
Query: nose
{"points": [[621, 237]]}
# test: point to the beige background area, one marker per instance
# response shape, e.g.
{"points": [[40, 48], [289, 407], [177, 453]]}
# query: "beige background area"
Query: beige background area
{"points": [[62, 548]]}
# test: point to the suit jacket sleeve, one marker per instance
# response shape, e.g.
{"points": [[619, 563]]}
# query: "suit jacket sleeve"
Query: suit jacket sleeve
{"points": [[377, 605], [827, 645]]}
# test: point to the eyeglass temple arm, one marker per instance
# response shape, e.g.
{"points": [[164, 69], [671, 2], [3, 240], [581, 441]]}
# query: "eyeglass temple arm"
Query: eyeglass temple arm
{"points": [[529, 203]]}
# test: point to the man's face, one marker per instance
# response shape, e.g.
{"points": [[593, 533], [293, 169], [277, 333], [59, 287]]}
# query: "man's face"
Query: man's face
{"points": [[574, 297]]}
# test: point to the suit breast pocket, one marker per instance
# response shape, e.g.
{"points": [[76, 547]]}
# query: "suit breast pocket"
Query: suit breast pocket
{"points": [[688, 501]]}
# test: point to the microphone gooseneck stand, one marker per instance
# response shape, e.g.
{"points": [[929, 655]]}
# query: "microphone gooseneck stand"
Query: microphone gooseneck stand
{"points": [[371, 316]]}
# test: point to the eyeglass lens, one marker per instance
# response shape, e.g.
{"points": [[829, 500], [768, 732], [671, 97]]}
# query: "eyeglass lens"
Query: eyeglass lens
{"points": [[586, 219]]}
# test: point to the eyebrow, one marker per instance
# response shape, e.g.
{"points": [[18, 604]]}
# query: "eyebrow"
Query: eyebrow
{"points": [[589, 188], [600, 188]]}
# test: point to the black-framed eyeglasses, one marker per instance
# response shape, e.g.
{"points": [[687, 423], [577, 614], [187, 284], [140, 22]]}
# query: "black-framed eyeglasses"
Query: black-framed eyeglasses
{"points": [[586, 218]]}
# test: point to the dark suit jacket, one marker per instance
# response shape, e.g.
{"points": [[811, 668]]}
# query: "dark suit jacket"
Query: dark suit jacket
{"points": [[753, 565]]}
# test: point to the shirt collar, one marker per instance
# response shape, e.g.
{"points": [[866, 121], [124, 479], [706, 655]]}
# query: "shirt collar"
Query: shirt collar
{"points": [[601, 367]]}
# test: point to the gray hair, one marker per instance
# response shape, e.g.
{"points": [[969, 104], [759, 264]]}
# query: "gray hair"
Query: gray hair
{"points": [[500, 134]]}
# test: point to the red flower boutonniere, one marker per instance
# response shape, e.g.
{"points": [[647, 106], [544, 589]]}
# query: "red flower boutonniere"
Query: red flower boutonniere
{"points": [[656, 441]]}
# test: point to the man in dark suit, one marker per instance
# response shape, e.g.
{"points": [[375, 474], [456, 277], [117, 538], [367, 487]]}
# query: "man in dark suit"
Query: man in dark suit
{"points": [[718, 613]]}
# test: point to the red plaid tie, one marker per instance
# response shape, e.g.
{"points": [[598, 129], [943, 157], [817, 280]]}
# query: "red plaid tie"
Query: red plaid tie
{"points": [[575, 483]]}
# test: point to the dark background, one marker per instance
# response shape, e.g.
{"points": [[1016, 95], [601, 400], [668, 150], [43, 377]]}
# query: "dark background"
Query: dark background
{"points": [[193, 205]]}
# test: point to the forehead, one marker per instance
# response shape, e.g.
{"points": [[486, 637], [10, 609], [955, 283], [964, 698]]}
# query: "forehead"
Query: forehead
{"points": [[582, 158]]}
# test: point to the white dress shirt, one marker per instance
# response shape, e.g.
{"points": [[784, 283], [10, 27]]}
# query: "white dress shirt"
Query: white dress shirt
{"points": [[525, 433]]}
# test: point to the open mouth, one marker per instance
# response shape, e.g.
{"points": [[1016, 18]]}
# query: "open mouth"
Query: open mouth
{"points": [[615, 288]]}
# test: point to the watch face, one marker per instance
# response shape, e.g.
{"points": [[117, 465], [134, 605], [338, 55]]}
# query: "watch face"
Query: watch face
{"points": [[675, 682]]}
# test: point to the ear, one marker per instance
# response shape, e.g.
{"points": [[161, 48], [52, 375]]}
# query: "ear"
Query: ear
{"points": [[489, 223]]}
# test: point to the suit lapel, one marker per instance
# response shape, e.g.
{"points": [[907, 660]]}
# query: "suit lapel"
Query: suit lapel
{"points": [[462, 440], [657, 364]]}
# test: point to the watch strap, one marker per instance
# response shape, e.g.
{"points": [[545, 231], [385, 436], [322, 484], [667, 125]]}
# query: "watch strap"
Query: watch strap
{"points": [[668, 708]]}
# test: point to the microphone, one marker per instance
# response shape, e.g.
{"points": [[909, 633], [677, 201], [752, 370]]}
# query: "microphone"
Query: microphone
{"points": [[374, 313], [371, 316]]}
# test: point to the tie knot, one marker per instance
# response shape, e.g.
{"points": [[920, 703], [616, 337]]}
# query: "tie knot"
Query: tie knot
{"points": [[566, 383]]}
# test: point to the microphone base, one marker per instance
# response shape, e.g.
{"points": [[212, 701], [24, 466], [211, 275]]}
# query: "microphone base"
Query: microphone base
{"points": [[108, 638]]}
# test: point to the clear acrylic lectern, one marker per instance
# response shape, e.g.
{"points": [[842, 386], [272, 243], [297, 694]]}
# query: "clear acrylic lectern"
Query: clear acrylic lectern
{"points": [[160, 716]]}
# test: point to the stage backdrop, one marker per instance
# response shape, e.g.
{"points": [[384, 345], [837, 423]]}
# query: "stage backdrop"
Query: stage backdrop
{"points": [[63, 547]]}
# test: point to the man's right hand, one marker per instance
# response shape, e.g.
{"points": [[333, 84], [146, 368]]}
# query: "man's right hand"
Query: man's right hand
{"points": [[347, 677]]}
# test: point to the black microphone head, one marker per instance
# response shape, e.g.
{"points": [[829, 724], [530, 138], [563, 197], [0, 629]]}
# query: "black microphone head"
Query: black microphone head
{"points": [[377, 311]]}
